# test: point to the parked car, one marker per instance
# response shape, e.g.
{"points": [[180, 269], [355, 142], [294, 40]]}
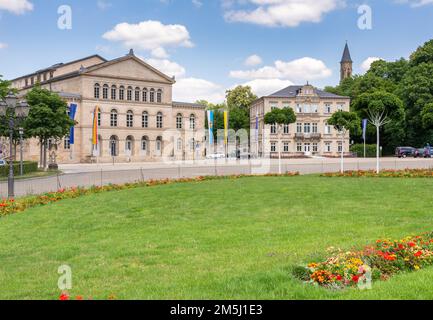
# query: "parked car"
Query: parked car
{"points": [[404, 152], [2, 163], [216, 156], [419, 153], [428, 152]]}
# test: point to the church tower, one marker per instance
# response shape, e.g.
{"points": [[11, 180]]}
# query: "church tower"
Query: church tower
{"points": [[346, 64]]}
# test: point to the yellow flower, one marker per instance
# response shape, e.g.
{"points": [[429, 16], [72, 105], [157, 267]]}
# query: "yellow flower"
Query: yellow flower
{"points": [[417, 267]]}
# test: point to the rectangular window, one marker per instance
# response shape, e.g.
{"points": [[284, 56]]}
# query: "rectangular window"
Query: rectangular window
{"points": [[299, 128], [67, 143], [307, 108], [340, 107], [307, 128], [328, 108], [327, 129], [299, 108], [286, 129], [113, 93], [145, 120], [328, 147], [286, 147], [315, 130], [99, 119], [137, 95], [122, 94], [315, 147], [340, 147], [273, 147], [273, 129], [299, 147]]}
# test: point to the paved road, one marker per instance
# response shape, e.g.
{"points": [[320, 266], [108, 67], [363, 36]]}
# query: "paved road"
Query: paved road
{"points": [[103, 174]]}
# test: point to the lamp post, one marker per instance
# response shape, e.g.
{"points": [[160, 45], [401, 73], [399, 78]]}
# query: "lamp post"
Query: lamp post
{"points": [[10, 108], [21, 131]]}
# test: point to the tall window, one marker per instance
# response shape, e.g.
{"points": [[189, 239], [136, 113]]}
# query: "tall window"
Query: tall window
{"points": [[192, 144], [144, 144], [179, 144], [105, 91], [315, 130], [299, 128], [152, 95], [299, 108], [99, 118], [159, 96], [129, 94], [328, 108], [179, 120], [159, 123], [340, 107], [130, 119], [113, 92], [286, 129], [299, 147], [307, 128], [286, 147], [122, 93], [327, 129], [145, 120], [273, 129], [113, 118], [67, 143], [340, 147], [144, 95], [137, 94], [273, 147], [327, 146], [315, 147], [192, 122], [97, 91]]}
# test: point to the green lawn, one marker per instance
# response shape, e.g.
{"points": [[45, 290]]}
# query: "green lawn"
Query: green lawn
{"points": [[224, 239]]}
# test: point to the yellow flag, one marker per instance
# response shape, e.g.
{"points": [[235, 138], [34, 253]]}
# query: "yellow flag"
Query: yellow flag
{"points": [[226, 127]]}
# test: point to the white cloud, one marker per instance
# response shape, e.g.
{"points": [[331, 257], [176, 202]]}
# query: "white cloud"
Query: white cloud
{"points": [[3, 45], [193, 89], [265, 87], [167, 67], [365, 66], [160, 53], [299, 70], [416, 3], [253, 61], [103, 4], [281, 13], [150, 36], [197, 3], [16, 6]]}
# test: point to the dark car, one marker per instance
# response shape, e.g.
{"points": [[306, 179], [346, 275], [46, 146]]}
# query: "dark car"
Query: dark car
{"points": [[404, 152], [419, 153], [428, 152]]}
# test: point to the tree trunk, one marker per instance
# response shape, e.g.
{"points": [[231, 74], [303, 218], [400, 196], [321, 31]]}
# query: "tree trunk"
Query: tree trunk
{"points": [[378, 150], [343, 134], [45, 155]]}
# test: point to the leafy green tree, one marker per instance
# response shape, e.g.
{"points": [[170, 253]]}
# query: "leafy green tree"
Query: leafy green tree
{"points": [[240, 97], [4, 87], [427, 116], [345, 122], [48, 118], [424, 54], [280, 117]]}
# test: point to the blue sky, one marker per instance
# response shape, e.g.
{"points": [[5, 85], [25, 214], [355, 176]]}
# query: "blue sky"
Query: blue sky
{"points": [[206, 43]]}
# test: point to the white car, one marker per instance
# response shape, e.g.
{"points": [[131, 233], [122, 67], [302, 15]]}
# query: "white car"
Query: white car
{"points": [[2, 163], [216, 156]]}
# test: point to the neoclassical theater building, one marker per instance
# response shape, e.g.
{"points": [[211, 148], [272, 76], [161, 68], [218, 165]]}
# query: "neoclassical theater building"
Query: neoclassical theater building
{"points": [[137, 121], [311, 134]]}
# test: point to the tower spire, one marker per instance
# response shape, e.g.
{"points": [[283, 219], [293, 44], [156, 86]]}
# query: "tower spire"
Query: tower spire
{"points": [[346, 63]]}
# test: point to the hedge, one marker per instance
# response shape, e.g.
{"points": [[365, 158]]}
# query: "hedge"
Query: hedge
{"points": [[359, 150], [28, 167]]}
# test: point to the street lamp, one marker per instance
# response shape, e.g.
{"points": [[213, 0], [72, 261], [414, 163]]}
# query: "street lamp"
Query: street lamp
{"points": [[21, 131], [21, 111]]}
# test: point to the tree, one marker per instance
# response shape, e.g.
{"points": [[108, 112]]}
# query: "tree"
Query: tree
{"points": [[4, 87], [345, 122], [427, 116], [424, 54], [383, 110], [48, 118], [280, 117], [240, 97]]}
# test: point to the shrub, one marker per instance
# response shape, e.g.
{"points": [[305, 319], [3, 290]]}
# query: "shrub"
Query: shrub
{"points": [[359, 150], [28, 167]]}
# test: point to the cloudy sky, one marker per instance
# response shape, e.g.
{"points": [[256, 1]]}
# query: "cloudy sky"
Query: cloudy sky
{"points": [[213, 45]]}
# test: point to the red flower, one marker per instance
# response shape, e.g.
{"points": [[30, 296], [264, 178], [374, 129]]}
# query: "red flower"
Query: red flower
{"points": [[79, 298], [411, 244], [400, 246], [339, 278], [418, 254], [355, 279], [64, 297]]}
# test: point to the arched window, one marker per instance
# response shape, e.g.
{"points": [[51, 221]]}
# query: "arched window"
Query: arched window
{"points": [[129, 119], [105, 91], [159, 145], [67, 143], [129, 146], [192, 122], [192, 144], [152, 95], [179, 144], [97, 91], [145, 120], [179, 119], [114, 146], [129, 94], [144, 144], [144, 95], [159, 96], [159, 120], [113, 92], [122, 93], [137, 94], [113, 118]]}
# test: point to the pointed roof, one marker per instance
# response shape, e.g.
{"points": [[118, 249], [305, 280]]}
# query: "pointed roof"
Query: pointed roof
{"points": [[346, 54]]}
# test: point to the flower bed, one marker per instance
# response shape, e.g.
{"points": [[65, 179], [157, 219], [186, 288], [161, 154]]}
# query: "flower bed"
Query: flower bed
{"points": [[407, 173], [14, 206], [376, 262]]}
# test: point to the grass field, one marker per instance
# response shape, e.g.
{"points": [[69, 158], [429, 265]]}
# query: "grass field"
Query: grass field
{"points": [[224, 239]]}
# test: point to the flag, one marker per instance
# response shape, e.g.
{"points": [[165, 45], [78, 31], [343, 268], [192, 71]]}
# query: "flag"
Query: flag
{"points": [[257, 126], [72, 113], [210, 119], [226, 127], [95, 127], [364, 128]]}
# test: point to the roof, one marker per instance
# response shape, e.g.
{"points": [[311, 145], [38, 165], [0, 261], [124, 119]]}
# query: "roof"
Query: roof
{"points": [[188, 105], [58, 65], [346, 54], [292, 92]]}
